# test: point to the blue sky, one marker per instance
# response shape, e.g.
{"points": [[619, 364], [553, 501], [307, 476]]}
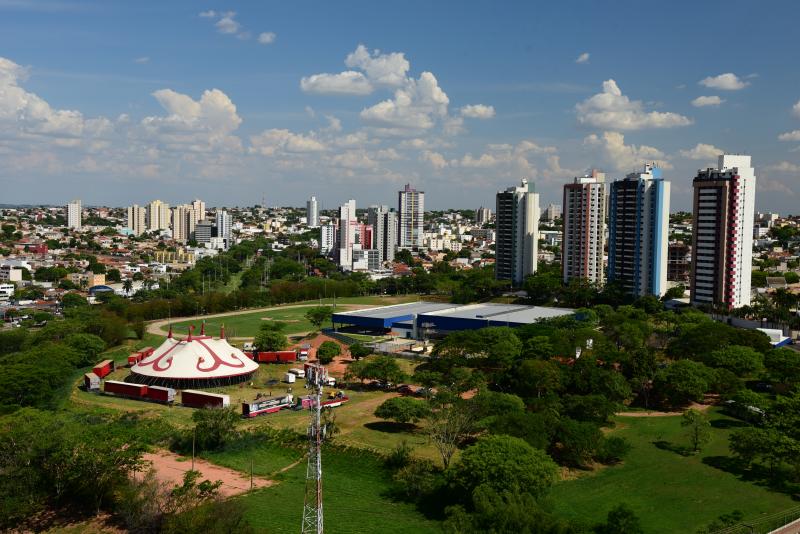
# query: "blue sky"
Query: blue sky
{"points": [[122, 102]]}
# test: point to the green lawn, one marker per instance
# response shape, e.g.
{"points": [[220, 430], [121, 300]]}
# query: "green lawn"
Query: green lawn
{"points": [[355, 487], [247, 324], [669, 492]]}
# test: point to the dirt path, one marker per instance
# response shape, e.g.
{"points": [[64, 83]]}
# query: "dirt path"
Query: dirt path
{"points": [[170, 467], [694, 405], [158, 327]]}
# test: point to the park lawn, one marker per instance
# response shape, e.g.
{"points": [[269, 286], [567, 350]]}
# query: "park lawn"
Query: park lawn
{"points": [[669, 492], [355, 487], [247, 323]]}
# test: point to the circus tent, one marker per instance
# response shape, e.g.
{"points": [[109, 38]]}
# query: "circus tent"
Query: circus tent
{"points": [[194, 362]]}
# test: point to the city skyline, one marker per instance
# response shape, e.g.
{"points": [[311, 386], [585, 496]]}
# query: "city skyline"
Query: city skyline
{"points": [[236, 102]]}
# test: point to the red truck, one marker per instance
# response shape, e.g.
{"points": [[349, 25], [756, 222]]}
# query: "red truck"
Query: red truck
{"points": [[281, 356], [104, 368], [201, 399], [125, 389], [160, 394]]}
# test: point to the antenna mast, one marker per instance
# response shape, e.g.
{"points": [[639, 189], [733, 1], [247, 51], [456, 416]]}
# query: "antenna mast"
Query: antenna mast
{"points": [[312, 508]]}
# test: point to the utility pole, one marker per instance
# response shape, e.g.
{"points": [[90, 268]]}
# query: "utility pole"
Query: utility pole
{"points": [[194, 436]]}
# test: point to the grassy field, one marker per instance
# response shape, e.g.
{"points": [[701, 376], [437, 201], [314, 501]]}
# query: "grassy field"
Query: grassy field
{"points": [[247, 324], [355, 486], [668, 491]]}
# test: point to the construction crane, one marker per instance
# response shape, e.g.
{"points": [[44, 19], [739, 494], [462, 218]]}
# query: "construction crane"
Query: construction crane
{"points": [[316, 375]]}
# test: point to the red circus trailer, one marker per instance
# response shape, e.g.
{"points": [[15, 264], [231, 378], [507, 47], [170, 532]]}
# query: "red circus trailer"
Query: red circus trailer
{"points": [[266, 405], [147, 351], [104, 368], [281, 356], [125, 389], [201, 399], [135, 358], [160, 394]]}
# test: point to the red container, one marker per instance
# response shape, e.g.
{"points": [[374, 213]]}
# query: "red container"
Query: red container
{"points": [[160, 394], [104, 368], [267, 357], [134, 358], [201, 399], [287, 356], [147, 351], [125, 389]]}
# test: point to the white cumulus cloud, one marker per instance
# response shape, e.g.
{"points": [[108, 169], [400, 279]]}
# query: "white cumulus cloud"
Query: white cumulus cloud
{"points": [[267, 37], [477, 111], [796, 109], [794, 135], [725, 82], [583, 58], [702, 151], [435, 159], [227, 23], [273, 141], [385, 69], [414, 107], [142, 60], [622, 157], [348, 82], [612, 110], [703, 101]]}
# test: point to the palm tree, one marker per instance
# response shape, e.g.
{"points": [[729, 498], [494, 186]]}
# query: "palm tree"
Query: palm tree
{"points": [[127, 285]]}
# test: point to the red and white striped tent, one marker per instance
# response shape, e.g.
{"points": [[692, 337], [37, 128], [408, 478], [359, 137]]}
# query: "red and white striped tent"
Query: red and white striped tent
{"points": [[194, 362]]}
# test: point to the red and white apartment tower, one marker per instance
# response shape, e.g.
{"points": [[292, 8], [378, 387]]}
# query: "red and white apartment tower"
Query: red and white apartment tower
{"points": [[722, 234]]}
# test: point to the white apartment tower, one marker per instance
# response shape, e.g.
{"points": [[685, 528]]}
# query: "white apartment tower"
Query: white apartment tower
{"points": [[517, 229], [199, 208], [411, 212], [347, 233], [137, 219], [482, 216], [74, 213], [384, 231], [223, 224], [327, 239], [184, 219], [638, 236], [312, 212], [722, 233], [158, 216], [584, 228]]}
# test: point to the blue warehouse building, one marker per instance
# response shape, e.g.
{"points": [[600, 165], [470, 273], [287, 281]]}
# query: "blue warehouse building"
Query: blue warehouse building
{"points": [[435, 318]]}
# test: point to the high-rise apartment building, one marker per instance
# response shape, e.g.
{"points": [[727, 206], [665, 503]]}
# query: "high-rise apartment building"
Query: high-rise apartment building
{"points": [[384, 231], [583, 239], [482, 216], [347, 233], [312, 212], [158, 216], [74, 215], [199, 208], [552, 212], [638, 215], [327, 239], [411, 213], [183, 222], [517, 227], [137, 219], [223, 224], [722, 233]]}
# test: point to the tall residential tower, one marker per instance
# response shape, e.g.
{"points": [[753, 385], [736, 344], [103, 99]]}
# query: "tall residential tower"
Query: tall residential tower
{"points": [[347, 233], [722, 233], [384, 231], [74, 213], [517, 228], [638, 215], [312, 212], [584, 228], [411, 211]]}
